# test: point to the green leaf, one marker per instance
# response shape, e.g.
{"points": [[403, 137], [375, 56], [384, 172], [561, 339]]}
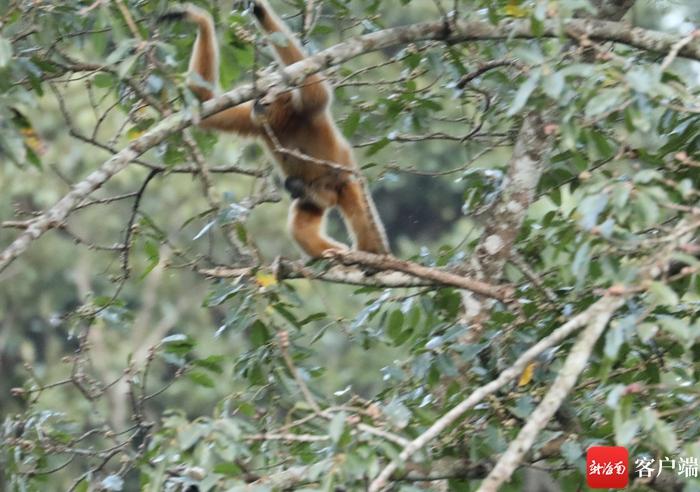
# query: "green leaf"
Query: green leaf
{"points": [[663, 294], [523, 407], [229, 469], [524, 92], [259, 335], [377, 146], [614, 339], [553, 85], [581, 263], [643, 79], [536, 26], [397, 413], [571, 451], [665, 436], [647, 176], [599, 146], [590, 208], [336, 427], [679, 328], [604, 101], [395, 325], [211, 363], [5, 52], [351, 123], [648, 208], [178, 344], [201, 378], [626, 432], [153, 255]]}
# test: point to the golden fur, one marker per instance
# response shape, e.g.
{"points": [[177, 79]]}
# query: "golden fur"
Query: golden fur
{"points": [[299, 131]]}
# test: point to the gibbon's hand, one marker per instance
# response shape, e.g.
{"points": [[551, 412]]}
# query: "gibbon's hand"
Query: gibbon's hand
{"points": [[260, 107], [258, 10], [253, 6], [172, 15]]}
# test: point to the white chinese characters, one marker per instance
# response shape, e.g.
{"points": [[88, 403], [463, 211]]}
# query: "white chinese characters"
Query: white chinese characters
{"points": [[607, 468], [687, 466]]}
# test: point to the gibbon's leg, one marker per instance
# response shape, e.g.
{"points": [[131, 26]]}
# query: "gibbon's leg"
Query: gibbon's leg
{"points": [[362, 219], [315, 93], [306, 223]]}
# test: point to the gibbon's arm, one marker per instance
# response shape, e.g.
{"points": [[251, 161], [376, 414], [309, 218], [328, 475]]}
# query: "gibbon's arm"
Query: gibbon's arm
{"points": [[315, 94], [204, 63]]}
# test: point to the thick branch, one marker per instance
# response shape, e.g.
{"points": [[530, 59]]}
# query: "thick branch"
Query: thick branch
{"points": [[502, 229], [573, 366], [607, 304], [439, 276], [524, 171], [393, 273], [459, 31]]}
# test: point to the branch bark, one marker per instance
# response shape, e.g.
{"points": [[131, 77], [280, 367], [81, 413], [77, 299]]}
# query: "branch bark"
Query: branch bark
{"points": [[496, 243], [524, 171], [393, 273], [595, 317], [459, 31], [606, 304], [573, 366]]}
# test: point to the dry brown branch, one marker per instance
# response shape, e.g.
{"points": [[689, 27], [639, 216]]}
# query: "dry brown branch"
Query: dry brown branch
{"points": [[393, 272], [386, 262]]}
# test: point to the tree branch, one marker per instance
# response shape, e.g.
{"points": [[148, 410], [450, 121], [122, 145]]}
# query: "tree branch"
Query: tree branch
{"points": [[459, 31], [393, 273], [496, 243], [606, 304], [573, 366]]}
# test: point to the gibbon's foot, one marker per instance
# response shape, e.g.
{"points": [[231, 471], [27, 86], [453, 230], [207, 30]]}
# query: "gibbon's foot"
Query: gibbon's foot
{"points": [[295, 186], [334, 252]]}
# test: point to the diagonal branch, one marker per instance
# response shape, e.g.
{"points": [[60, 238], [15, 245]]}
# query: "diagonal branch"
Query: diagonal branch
{"points": [[393, 272], [566, 379], [607, 304], [459, 31]]}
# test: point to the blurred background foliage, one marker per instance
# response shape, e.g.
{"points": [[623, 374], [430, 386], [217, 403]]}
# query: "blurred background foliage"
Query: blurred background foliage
{"points": [[178, 374]]}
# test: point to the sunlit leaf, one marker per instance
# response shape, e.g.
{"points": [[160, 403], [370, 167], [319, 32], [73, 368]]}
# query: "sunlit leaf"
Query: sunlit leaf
{"points": [[527, 374]]}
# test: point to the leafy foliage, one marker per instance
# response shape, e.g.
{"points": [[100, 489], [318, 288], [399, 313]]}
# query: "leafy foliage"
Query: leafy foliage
{"points": [[126, 367]]}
